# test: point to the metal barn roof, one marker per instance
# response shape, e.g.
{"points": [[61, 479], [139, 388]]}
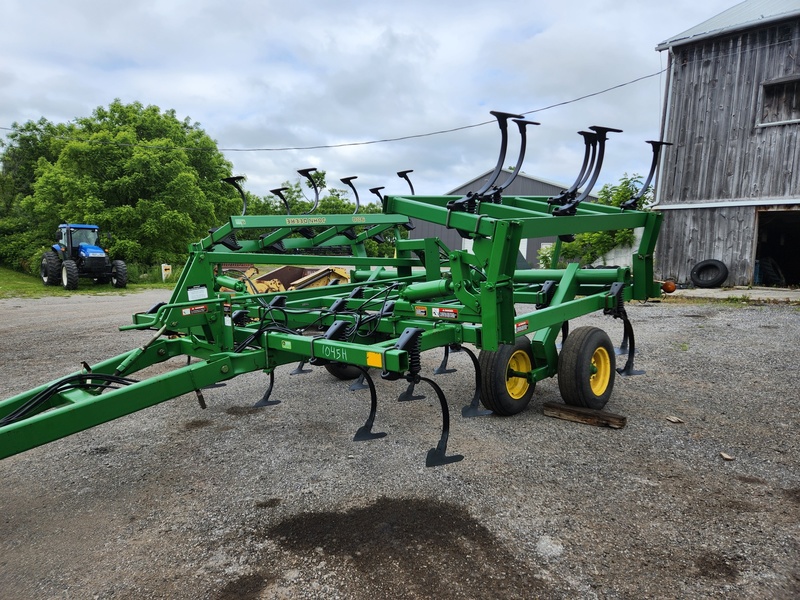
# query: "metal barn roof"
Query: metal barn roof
{"points": [[524, 185], [745, 15]]}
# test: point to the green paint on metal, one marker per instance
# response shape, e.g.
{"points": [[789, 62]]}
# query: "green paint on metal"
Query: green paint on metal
{"points": [[452, 296]]}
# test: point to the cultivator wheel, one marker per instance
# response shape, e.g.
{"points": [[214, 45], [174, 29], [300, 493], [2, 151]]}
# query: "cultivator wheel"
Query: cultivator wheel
{"points": [[50, 269], [343, 371], [505, 388], [586, 368], [69, 275]]}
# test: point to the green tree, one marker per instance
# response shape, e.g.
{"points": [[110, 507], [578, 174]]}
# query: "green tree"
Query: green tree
{"points": [[588, 247], [151, 179]]}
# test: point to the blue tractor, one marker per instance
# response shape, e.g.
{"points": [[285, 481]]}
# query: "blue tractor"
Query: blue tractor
{"points": [[76, 254]]}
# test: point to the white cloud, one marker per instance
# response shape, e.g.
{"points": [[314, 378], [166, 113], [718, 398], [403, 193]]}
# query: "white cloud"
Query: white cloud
{"points": [[280, 74]]}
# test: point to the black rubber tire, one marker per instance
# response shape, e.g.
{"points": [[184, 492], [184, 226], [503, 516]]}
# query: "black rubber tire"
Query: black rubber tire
{"points": [[586, 368], [771, 273], [119, 274], [343, 371], [50, 269], [69, 275], [501, 394], [709, 273]]}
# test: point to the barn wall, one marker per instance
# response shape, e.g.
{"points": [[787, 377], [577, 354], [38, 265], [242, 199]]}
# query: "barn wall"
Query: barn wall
{"points": [[691, 235], [720, 152]]}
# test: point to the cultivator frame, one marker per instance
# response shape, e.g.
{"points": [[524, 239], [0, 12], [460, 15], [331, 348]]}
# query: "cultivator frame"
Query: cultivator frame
{"points": [[427, 296]]}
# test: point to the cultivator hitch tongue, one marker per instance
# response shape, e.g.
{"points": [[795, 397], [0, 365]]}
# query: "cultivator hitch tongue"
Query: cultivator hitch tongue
{"points": [[421, 296]]}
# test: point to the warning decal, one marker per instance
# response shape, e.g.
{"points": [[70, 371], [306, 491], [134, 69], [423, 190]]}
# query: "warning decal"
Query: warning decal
{"points": [[444, 313]]}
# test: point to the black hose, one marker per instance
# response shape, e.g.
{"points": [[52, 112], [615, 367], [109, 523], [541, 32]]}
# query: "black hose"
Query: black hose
{"points": [[71, 382]]}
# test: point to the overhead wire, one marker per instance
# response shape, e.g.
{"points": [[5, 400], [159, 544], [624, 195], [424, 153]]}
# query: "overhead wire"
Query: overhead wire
{"points": [[375, 141]]}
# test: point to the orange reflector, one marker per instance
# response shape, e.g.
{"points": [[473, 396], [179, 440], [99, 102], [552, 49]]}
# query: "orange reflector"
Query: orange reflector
{"points": [[374, 359]]}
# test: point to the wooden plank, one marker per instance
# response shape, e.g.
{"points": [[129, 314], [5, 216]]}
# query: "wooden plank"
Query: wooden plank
{"points": [[587, 416]]}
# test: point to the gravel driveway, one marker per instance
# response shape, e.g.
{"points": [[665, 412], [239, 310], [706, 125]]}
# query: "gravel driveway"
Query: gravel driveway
{"points": [[236, 502]]}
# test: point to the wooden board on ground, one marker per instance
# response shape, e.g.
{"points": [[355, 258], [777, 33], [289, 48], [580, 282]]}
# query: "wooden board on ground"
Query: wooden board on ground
{"points": [[588, 416]]}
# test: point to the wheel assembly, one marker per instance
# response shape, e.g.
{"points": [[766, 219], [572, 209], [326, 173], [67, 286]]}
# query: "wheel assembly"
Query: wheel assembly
{"points": [[343, 371], [586, 368], [50, 268], [69, 275], [119, 274], [505, 386]]}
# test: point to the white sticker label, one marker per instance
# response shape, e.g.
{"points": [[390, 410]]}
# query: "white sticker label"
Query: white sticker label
{"points": [[198, 292]]}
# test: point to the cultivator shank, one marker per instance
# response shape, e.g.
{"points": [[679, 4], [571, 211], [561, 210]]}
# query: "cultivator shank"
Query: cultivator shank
{"points": [[426, 297]]}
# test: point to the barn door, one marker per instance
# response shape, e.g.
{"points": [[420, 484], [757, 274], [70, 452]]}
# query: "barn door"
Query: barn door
{"points": [[778, 248]]}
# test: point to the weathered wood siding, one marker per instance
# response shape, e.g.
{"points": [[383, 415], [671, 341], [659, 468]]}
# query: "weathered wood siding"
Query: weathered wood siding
{"points": [[720, 153], [691, 235]]}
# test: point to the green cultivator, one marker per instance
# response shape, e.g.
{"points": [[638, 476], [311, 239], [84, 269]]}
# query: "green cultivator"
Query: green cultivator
{"points": [[427, 297]]}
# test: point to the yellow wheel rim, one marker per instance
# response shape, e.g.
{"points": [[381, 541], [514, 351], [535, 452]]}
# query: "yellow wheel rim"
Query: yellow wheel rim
{"points": [[601, 371], [516, 386]]}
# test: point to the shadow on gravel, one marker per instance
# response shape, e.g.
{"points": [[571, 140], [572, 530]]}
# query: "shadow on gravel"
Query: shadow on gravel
{"points": [[411, 548]]}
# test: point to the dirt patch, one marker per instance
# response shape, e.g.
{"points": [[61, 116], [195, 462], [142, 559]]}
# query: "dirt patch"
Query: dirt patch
{"points": [[411, 548]]}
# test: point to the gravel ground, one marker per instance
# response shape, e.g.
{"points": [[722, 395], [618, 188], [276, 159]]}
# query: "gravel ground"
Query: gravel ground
{"points": [[237, 502]]}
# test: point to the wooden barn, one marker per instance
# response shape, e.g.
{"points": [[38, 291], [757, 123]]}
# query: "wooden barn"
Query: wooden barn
{"points": [[729, 187], [523, 185]]}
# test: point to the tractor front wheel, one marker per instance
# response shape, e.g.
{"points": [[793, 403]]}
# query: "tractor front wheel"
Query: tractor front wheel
{"points": [[50, 268], [505, 387], [119, 274], [69, 275], [586, 368]]}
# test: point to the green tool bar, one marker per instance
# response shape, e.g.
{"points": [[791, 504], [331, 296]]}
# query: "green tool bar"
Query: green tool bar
{"points": [[546, 226], [539, 204], [588, 276], [85, 409], [532, 215], [179, 315], [270, 221], [377, 356], [221, 255], [555, 315], [417, 207]]}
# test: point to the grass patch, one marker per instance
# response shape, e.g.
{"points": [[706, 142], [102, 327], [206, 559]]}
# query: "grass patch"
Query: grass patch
{"points": [[14, 284]]}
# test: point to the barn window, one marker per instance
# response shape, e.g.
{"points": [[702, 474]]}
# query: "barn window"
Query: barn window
{"points": [[780, 101]]}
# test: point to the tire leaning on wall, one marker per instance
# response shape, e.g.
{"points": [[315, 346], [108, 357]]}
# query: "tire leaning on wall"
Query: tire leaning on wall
{"points": [[709, 273]]}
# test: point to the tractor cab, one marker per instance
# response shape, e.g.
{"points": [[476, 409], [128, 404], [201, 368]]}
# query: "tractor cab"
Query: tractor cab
{"points": [[79, 241]]}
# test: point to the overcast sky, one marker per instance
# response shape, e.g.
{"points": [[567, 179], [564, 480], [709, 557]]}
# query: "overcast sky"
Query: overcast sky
{"points": [[261, 74]]}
